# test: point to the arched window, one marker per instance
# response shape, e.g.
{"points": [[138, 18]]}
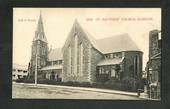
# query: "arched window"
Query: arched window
{"points": [[75, 55], [69, 60], [81, 59], [135, 65]]}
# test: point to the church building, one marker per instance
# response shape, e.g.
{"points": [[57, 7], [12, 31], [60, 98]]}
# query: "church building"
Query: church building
{"points": [[85, 59], [49, 62]]}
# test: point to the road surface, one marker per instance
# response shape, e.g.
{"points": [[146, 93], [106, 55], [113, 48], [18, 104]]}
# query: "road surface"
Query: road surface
{"points": [[44, 92]]}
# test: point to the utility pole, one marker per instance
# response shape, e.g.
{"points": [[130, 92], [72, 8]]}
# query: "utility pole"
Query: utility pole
{"points": [[36, 70]]}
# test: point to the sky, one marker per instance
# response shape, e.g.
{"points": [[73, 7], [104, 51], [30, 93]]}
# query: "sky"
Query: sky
{"points": [[99, 22]]}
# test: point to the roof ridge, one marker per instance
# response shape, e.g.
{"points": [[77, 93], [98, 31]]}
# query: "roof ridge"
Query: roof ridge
{"points": [[117, 43], [55, 54], [89, 37]]}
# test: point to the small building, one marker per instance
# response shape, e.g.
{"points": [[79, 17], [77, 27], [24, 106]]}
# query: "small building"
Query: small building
{"points": [[19, 72]]}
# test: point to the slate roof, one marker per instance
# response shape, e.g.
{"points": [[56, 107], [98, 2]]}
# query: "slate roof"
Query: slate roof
{"points": [[110, 61], [111, 44], [52, 67], [55, 54], [89, 36], [117, 44], [77, 27]]}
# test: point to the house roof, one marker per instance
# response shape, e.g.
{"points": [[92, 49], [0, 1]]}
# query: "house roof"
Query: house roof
{"points": [[52, 67], [117, 44], [110, 61], [55, 54]]}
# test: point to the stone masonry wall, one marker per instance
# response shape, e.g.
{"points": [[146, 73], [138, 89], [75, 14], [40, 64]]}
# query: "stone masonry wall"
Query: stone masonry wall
{"points": [[41, 50], [67, 75], [96, 56], [153, 43], [130, 70]]}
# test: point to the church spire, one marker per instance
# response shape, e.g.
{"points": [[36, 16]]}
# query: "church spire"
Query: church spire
{"points": [[40, 27], [39, 33]]}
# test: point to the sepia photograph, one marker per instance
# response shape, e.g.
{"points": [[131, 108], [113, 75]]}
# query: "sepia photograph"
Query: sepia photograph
{"points": [[86, 53]]}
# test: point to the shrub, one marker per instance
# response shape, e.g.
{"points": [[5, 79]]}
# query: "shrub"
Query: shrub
{"points": [[102, 77], [113, 85], [98, 85], [27, 80], [85, 84], [129, 84], [46, 81], [20, 80], [69, 83]]}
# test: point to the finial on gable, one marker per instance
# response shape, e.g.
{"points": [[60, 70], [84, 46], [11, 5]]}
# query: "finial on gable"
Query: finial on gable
{"points": [[76, 21], [75, 24]]}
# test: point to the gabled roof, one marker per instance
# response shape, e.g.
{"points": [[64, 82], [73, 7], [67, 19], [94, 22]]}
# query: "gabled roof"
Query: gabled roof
{"points": [[113, 61], [117, 44], [52, 67], [76, 28], [55, 54], [90, 38], [111, 44]]}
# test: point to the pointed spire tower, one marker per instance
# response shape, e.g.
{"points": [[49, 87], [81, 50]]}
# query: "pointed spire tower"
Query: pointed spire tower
{"points": [[39, 48], [39, 33]]}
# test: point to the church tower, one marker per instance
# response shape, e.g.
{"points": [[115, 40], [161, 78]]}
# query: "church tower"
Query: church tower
{"points": [[39, 48]]}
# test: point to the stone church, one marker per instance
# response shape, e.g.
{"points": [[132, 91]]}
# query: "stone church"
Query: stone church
{"points": [[85, 59]]}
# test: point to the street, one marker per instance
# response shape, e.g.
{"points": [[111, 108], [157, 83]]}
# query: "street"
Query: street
{"points": [[26, 91]]}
